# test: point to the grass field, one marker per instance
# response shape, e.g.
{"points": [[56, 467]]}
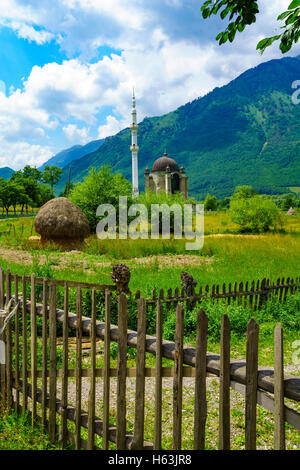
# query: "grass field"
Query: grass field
{"points": [[226, 256]]}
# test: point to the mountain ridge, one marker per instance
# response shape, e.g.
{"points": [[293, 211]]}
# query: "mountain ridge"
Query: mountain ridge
{"points": [[246, 132], [66, 156]]}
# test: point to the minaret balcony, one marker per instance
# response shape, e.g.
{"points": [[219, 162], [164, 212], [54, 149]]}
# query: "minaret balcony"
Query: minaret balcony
{"points": [[134, 148], [134, 127]]}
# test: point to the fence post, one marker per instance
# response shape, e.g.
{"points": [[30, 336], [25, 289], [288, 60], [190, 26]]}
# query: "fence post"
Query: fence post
{"points": [[158, 377], [279, 413], [224, 406], [200, 409], [2, 361], [121, 386], [138, 439], [178, 376], [92, 392], [78, 367], [251, 384], [106, 379], [8, 337], [33, 348], [52, 371]]}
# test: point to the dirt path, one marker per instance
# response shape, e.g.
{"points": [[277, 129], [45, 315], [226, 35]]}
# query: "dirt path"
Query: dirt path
{"points": [[66, 260]]}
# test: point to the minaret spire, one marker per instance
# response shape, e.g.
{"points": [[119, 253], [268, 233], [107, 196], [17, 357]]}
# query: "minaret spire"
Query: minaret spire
{"points": [[134, 148]]}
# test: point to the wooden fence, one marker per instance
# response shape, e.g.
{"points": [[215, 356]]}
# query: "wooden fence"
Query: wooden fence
{"points": [[249, 294], [36, 378]]}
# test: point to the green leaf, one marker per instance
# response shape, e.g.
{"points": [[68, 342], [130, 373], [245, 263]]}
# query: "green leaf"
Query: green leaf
{"points": [[205, 13], [224, 13], [263, 43], [294, 4], [283, 15]]}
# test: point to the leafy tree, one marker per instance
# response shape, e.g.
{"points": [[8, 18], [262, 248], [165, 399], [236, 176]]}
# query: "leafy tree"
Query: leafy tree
{"points": [[289, 200], [210, 203], [45, 193], [28, 172], [29, 181], [100, 187], [12, 193], [69, 186], [150, 197], [224, 203], [244, 192], [244, 12], [255, 214], [51, 175]]}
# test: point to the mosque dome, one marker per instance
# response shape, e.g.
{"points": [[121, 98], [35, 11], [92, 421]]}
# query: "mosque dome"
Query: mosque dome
{"points": [[162, 163]]}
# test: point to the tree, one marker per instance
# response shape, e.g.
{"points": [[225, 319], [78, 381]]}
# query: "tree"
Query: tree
{"points": [[244, 12], [68, 188], [255, 214], [244, 192], [12, 193], [28, 172], [51, 175], [161, 198], [210, 203], [100, 187], [289, 200], [45, 193]]}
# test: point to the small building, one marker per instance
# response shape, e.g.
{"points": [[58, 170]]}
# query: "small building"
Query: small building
{"points": [[291, 211], [166, 176]]}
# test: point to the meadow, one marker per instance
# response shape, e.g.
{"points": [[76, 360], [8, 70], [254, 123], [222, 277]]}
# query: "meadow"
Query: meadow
{"points": [[227, 256]]}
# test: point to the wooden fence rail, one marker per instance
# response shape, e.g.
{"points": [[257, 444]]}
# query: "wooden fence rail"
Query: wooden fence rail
{"points": [[249, 294], [33, 375]]}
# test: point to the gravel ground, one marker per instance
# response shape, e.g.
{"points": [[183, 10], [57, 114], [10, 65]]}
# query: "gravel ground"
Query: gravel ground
{"points": [[265, 427]]}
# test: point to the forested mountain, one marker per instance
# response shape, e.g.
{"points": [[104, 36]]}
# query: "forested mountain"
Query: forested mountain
{"points": [[64, 157], [247, 132], [6, 172]]}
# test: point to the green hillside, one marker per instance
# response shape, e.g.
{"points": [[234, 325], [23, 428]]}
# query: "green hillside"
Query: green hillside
{"points": [[64, 157], [6, 172], [247, 132]]}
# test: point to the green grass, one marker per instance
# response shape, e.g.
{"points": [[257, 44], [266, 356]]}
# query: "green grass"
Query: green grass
{"points": [[225, 257], [17, 433]]}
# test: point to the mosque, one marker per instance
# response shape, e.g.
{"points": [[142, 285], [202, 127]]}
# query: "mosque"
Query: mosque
{"points": [[165, 173]]}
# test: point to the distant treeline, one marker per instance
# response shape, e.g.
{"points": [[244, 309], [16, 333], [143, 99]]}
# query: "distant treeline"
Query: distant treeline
{"points": [[27, 188], [282, 201]]}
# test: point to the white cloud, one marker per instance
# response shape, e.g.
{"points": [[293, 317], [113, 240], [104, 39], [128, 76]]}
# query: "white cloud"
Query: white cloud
{"points": [[111, 127], [18, 154], [75, 134], [169, 54], [28, 32]]}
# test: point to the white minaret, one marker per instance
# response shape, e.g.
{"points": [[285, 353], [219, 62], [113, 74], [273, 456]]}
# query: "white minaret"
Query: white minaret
{"points": [[134, 149]]}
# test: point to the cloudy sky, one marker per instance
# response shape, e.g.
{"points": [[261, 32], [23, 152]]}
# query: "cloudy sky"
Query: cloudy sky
{"points": [[67, 67]]}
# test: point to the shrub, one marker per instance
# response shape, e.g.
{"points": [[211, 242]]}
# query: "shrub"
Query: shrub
{"points": [[150, 197], [255, 214], [100, 187], [210, 203]]}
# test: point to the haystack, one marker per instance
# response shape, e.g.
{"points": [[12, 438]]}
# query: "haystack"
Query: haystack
{"points": [[63, 222]]}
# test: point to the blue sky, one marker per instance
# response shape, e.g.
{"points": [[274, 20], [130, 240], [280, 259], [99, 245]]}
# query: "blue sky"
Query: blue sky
{"points": [[67, 67]]}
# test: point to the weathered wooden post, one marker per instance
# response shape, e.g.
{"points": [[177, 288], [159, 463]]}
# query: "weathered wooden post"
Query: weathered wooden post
{"points": [[2, 360], [121, 276], [5, 385], [188, 283]]}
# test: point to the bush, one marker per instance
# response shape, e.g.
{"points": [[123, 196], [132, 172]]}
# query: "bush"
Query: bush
{"points": [[150, 197], [255, 214], [210, 203], [100, 187]]}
